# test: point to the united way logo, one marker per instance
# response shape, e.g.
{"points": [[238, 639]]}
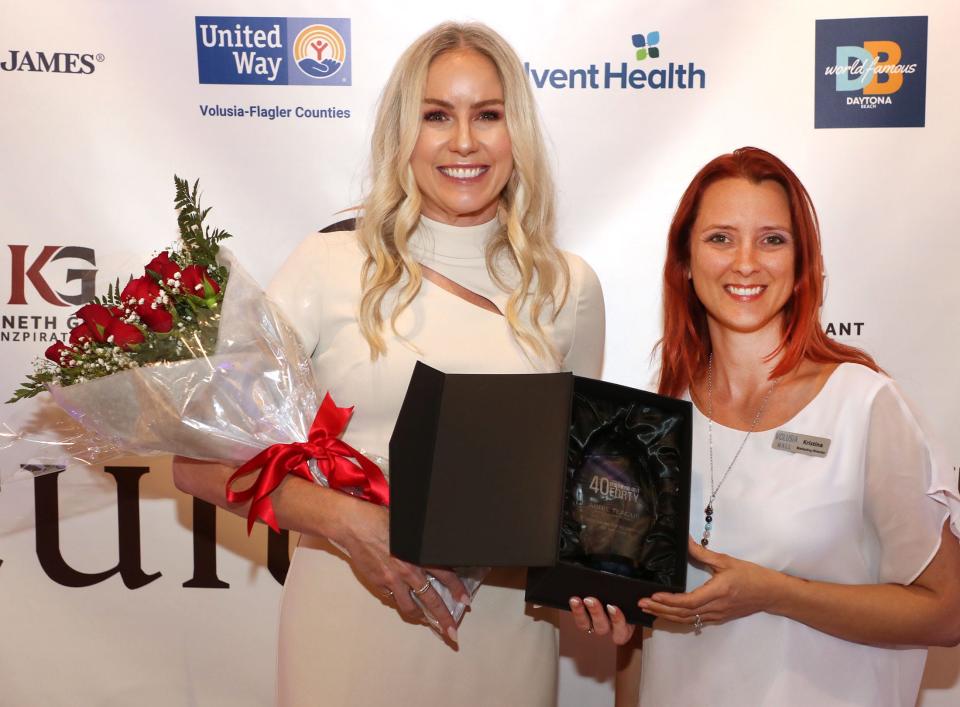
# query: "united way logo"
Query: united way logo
{"points": [[275, 51], [319, 51], [871, 73]]}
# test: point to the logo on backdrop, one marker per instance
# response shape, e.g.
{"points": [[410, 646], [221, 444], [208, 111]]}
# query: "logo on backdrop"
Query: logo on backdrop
{"points": [[27, 265], [319, 51], [843, 328], [50, 62], [871, 73], [654, 75], [276, 51], [35, 279], [646, 46], [129, 561]]}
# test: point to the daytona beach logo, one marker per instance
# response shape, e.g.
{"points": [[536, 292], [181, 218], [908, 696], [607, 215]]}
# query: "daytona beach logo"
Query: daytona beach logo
{"points": [[871, 72], [623, 75], [50, 62], [273, 51]]}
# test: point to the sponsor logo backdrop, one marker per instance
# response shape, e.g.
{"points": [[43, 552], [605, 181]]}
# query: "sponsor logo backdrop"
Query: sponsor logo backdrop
{"points": [[116, 588]]}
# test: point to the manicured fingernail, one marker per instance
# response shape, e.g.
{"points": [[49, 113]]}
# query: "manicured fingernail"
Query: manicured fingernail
{"points": [[611, 609], [452, 632], [574, 603], [643, 603], [465, 599], [589, 601]]}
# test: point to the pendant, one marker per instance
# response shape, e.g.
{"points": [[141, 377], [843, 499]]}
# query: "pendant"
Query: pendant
{"points": [[708, 524]]}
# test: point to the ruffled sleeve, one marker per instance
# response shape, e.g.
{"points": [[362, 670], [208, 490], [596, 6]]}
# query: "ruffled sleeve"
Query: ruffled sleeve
{"points": [[909, 489], [297, 289]]}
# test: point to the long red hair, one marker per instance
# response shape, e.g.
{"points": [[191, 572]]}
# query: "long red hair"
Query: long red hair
{"points": [[685, 346]]}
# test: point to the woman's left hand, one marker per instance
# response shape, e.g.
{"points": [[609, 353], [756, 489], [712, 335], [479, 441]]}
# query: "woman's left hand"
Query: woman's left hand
{"points": [[736, 589], [590, 617]]}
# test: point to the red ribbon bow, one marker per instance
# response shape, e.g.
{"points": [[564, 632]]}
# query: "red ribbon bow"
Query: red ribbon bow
{"points": [[333, 457]]}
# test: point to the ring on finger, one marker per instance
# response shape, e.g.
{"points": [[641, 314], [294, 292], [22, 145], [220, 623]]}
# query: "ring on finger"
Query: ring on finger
{"points": [[697, 625], [422, 590], [590, 630]]}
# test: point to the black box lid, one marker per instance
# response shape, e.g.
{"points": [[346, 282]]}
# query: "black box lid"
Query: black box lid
{"points": [[476, 468]]}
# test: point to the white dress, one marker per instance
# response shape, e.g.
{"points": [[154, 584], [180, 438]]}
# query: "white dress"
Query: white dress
{"points": [[342, 643], [871, 511]]}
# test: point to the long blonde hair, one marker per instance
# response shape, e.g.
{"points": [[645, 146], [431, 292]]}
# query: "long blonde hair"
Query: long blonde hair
{"points": [[391, 210]]}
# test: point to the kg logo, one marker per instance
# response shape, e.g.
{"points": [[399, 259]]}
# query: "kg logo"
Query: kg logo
{"points": [[23, 269], [871, 72]]}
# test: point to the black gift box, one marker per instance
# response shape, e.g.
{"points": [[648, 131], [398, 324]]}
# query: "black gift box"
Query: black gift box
{"points": [[520, 470]]}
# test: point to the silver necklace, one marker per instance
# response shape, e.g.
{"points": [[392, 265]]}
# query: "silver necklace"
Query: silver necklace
{"points": [[715, 489]]}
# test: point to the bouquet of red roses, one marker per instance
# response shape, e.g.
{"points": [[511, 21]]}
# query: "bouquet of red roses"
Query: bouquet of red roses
{"points": [[191, 358], [167, 314]]}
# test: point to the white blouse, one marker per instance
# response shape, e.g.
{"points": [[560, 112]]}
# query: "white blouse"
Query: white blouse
{"points": [[870, 511]]}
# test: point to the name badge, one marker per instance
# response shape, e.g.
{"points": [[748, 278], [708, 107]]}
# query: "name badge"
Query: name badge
{"points": [[801, 444]]}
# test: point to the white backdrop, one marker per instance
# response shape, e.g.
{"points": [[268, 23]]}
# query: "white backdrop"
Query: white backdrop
{"points": [[87, 163]]}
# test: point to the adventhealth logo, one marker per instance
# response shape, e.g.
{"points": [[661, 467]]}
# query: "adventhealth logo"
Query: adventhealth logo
{"points": [[273, 50], [612, 75], [871, 72], [646, 46]]}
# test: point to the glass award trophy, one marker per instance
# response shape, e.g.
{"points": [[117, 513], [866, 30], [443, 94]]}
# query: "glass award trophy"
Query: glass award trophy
{"points": [[621, 505]]}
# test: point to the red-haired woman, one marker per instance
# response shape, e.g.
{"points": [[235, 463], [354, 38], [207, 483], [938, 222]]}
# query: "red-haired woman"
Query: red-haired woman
{"points": [[823, 560]]}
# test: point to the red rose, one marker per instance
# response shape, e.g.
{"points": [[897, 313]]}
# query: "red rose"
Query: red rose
{"points": [[196, 281], [94, 320], [162, 267], [82, 332], [94, 314], [142, 288], [157, 318], [58, 353], [121, 334], [141, 295]]}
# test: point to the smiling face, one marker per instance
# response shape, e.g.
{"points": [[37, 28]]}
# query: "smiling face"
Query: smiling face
{"points": [[462, 159], [742, 254]]}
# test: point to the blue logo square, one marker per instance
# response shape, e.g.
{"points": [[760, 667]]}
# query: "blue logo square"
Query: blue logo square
{"points": [[871, 73], [273, 51]]}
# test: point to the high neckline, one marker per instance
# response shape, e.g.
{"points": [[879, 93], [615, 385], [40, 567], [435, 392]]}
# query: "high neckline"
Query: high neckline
{"points": [[436, 239]]}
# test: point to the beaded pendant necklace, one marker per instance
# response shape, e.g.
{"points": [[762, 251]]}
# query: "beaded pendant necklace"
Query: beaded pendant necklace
{"points": [[715, 489]]}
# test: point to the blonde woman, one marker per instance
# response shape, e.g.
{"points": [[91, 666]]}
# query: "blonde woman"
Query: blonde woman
{"points": [[453, 262]]}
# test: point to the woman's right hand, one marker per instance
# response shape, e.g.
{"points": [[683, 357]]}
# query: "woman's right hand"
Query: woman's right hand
{"points": [[589, 616], [359, 527], [365, 535]]}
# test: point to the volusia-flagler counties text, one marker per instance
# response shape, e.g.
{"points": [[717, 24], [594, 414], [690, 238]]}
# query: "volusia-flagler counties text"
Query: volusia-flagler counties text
{"points": [[271, 112]]}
